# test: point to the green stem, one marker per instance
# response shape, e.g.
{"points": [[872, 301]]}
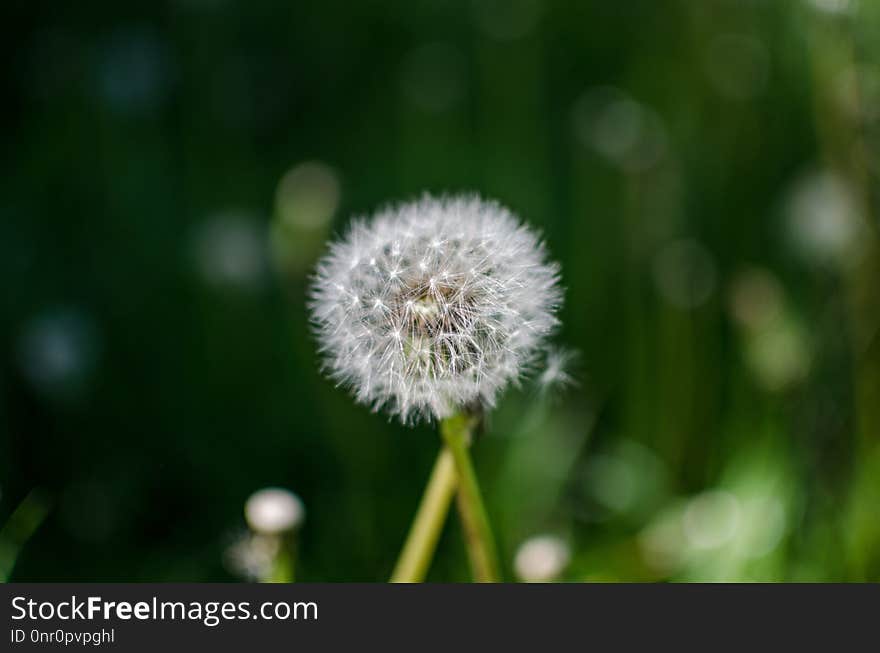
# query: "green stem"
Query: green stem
{"points": [[457, 432], [284, 563], [23, 522], [415, 558]]}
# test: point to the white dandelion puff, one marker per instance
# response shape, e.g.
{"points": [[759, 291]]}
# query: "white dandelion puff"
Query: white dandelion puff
{"points": [[273, 511], [542, 559], [434, 305], [252, 555]]}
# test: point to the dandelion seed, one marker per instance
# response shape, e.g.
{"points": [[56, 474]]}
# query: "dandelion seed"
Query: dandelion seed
{"points": [[556, 374], [459, 321]]}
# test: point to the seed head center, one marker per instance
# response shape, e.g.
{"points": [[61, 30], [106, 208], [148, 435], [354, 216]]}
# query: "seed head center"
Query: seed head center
{"points": [[427, 309]]}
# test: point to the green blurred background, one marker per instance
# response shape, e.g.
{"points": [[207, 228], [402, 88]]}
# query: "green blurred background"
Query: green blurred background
{"points": [[706, 172]]}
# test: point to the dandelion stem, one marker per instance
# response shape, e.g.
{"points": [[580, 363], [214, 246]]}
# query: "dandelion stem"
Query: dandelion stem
{"points": [[415, 558], [284, 563], [457, 432]]}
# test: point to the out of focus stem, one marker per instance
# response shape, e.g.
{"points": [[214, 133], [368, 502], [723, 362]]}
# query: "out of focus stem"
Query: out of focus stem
{"points": [[418, 551], [284, 564], [457, 432]]}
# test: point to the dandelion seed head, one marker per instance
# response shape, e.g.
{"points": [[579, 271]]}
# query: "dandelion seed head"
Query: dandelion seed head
{"points": [[541, 559], [468, 300], [251, 555], [272, 511]]}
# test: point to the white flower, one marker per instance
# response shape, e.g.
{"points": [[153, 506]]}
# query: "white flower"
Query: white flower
{"points": [[273, 511], [434, 305]]}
